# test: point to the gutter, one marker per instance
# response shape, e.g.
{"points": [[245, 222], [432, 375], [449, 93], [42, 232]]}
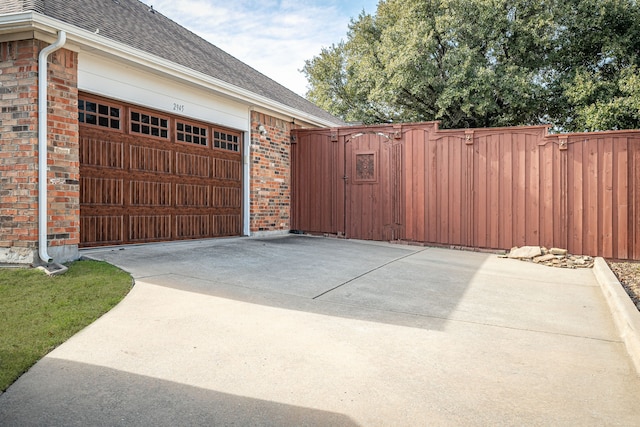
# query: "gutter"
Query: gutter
{"points": [[42, 145]]}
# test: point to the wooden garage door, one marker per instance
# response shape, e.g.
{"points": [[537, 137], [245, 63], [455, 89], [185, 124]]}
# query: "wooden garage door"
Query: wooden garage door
{"points": [[147, 176]]}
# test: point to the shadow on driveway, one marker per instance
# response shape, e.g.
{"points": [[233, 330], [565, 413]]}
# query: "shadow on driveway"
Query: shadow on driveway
{"points": [[112, 397], [396, 284]]}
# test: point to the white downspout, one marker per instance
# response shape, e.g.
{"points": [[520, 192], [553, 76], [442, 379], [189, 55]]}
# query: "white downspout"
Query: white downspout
{"points": [[42, 145], [246, 180]]}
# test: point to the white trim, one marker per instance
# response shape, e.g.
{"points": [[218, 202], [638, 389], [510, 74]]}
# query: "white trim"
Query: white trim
{"points": [[82, 39], [99, 76]]}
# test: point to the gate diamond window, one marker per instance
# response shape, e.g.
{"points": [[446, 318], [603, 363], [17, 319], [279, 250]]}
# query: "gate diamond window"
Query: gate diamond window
{"points": [[365, 167]]}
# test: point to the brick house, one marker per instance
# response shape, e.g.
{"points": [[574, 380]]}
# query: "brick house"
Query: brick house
{"points": [[151, 133]]}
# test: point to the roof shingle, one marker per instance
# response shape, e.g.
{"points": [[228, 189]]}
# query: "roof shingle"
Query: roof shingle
{"points": [[132, 23]]}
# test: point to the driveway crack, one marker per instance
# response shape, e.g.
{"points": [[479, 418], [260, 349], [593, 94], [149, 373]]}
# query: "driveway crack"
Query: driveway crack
{"points": [[368, 272]]}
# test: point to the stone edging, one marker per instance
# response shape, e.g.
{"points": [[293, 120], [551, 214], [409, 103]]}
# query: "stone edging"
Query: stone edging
{"points": [[625, 315]]}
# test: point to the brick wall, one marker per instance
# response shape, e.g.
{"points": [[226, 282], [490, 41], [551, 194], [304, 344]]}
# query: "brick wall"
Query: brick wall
{"points": [[19, 153], [270, 188], [64, 163]]}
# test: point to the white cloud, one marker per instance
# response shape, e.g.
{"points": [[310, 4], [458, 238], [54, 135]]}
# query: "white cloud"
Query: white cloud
{"points": [[274, 37]]}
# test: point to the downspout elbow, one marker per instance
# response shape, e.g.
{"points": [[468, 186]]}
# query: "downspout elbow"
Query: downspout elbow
{"points": [[42, 145]]}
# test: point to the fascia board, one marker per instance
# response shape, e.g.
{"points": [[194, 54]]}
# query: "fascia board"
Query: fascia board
{"points": [[48, 27], [12, 22]]}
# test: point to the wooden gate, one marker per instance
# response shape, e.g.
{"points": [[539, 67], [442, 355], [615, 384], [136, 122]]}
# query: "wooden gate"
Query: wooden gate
{"points": [[373, 186], [147, 176]]}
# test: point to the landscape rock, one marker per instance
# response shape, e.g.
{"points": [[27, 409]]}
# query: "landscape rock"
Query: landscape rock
{"points": [[558, 251], [554, 257], [544, 258], [525, 252]]}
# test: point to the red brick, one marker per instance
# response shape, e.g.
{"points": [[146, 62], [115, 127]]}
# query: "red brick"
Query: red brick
{"points": [[270, 165], [18, 153]]}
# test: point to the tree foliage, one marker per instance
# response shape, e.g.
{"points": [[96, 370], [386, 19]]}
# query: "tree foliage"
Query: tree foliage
{"points": [[479, 63]]}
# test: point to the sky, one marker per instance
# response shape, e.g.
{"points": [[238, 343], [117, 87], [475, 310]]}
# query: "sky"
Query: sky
{"points": [[274, 37]]}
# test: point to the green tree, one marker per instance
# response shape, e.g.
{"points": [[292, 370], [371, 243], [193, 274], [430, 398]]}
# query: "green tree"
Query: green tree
{"points": [[477, 63], [598, 64]]}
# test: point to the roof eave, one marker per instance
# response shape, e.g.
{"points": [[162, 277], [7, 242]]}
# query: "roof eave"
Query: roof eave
{"points": [[47, 29]]}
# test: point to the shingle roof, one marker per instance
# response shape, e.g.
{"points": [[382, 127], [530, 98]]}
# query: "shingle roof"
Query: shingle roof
{"points": [[130, 22]]}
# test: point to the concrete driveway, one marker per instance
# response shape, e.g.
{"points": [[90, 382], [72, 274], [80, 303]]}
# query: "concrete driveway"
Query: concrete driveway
{"points": [[301, 330]]}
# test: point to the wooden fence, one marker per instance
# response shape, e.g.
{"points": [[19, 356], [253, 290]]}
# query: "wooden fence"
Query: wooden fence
{"points": [[483, 188]]}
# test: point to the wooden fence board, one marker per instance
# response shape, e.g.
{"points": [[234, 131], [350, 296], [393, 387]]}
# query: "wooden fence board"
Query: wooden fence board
{"points": [[622, 199]]}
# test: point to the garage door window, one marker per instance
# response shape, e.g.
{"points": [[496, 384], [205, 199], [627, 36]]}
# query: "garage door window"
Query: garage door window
{"points": [[148, 124], [190, 133], [97, 114], [226, 141]]}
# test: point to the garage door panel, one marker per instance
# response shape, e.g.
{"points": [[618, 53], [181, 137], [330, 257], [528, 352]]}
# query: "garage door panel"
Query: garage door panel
{"points": [[101, 153], [147, 228], [136, 189], [102, 191], [190, 164], [230, 169], [193, 226], [226, 196], [150, 193], [102, 229], [193, 195], [225, 225], [150, 159]]}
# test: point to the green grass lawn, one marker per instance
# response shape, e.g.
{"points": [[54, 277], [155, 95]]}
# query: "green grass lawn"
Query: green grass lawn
{"points": [[38, 313]]}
